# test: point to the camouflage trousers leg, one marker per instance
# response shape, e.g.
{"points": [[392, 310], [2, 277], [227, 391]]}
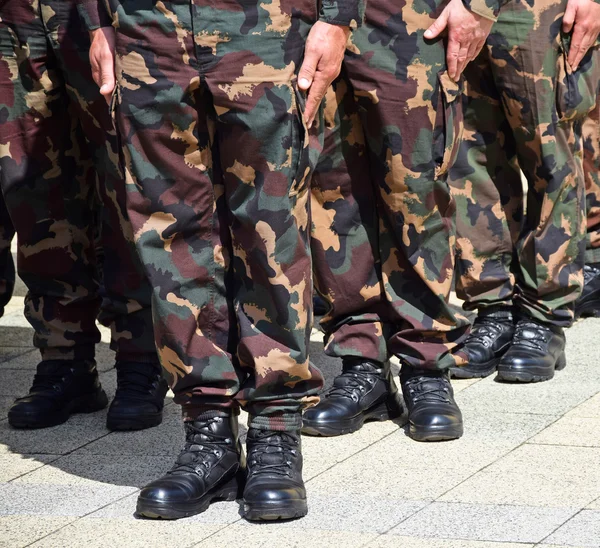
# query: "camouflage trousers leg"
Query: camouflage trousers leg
{"points": [[523, 67], [410, 112], [60, 178], [7, 265], [218, 167], [591, 167], [345, 235]]}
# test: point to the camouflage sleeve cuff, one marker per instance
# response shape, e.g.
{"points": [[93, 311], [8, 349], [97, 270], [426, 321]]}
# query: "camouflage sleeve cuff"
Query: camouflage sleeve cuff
{"points": [[486, 8], [345, 13], [94, 14]]}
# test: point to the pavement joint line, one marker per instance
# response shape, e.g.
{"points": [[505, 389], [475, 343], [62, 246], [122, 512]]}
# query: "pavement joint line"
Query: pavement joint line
{"points": [[564, 445], [564, 523], [508, 452], [78, 518]]}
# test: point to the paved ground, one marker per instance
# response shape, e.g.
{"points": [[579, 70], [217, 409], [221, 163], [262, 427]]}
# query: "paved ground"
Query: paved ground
{"points": [[526, 473]]}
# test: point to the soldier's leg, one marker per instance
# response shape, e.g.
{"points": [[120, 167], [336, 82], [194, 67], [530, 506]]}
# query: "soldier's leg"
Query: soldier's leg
{"points": [[589, 302], [347, 270], [223, 150], [125, 290], [487, 186], [7, 264], [527, 60], [43, 176], [412, 119]]}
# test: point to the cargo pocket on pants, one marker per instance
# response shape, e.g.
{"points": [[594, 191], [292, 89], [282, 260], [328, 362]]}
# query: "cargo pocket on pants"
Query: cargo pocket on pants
{"points": [[448, 129], [576, 91]]}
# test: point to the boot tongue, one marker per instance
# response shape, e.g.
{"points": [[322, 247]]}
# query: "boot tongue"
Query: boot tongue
{"points": [[363, 366]]}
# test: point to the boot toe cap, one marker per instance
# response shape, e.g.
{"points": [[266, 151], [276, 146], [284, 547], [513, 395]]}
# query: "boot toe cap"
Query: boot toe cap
{"points": [[271, 493]]}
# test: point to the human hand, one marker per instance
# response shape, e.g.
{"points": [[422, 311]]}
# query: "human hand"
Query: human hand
{"points": [[323, 56], [583, 18], [102, 59], [467, 33]]}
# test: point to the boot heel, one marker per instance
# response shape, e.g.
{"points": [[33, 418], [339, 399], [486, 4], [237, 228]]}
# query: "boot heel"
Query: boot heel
{"points": [[561, 362]]}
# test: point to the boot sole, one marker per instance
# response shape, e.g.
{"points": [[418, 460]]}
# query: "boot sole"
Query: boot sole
{"points": [[126, 424], [152, 509], [531, 374], [88, 403], [271, 511], [435, 433], [466, 373], [388, 410]]}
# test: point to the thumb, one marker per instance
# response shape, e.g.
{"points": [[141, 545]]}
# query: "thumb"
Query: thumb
{"points": [[107, 78], [308, 69], [569, 17], [438, 26]]}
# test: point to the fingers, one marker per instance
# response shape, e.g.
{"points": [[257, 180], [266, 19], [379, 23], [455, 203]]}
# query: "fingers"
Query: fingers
{"points": [[452, 57], [315, 96], [438, 26], [569, 17], [308, 69], [462, 60]]}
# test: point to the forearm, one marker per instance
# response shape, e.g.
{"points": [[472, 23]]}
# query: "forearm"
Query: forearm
{"points": [[93, 14]]}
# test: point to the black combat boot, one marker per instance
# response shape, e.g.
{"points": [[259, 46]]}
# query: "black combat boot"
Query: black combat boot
{"points": [[364, 391], [274, 485], [536, 352], [140, 397], [432, 412], [209, 468], [588, 303], [60, 388], [490, 337]]}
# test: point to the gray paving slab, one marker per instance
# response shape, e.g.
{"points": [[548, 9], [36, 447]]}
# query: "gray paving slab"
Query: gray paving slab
{"points": [[15, 382], [85, 469], [536, 475], [27, 361], [589, 408], [484, 522], [581, 530], [13, 466], [270, 535], [5, 403], [58, 440], [10, 352], [21, 531], [396, 541], [570, 430], [57, 500]]}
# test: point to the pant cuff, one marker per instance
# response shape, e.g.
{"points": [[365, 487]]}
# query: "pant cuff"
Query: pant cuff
{"points": [[192, 413], [137, 358], [283, 422], [592, 256], [72, 353]]}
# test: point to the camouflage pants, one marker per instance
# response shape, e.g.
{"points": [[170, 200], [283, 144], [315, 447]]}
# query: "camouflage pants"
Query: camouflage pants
{"points": [[383, 227], [218, 166], [524, 111], [63, 189], [7, 266], [591, 167]]}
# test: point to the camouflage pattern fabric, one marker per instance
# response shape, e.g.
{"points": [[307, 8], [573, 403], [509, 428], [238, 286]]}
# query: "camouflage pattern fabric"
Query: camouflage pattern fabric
{"points": [[7, 265], [63, 188], [524, 110], [218, 167], [383, 228], [591, 167]]}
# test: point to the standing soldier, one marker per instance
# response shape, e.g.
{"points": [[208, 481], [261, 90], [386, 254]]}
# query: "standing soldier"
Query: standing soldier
{"points": [[58, 154], [527, 95], [589, 302], [215, 126], [383, 238]]}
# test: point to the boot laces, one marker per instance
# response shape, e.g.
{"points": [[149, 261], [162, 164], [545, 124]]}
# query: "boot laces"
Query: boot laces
{"points": [[203, 448], [485, 330], [136, 379], [49, 376], [523, 337], [271, 452], [427, 386], [351, 384]]}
